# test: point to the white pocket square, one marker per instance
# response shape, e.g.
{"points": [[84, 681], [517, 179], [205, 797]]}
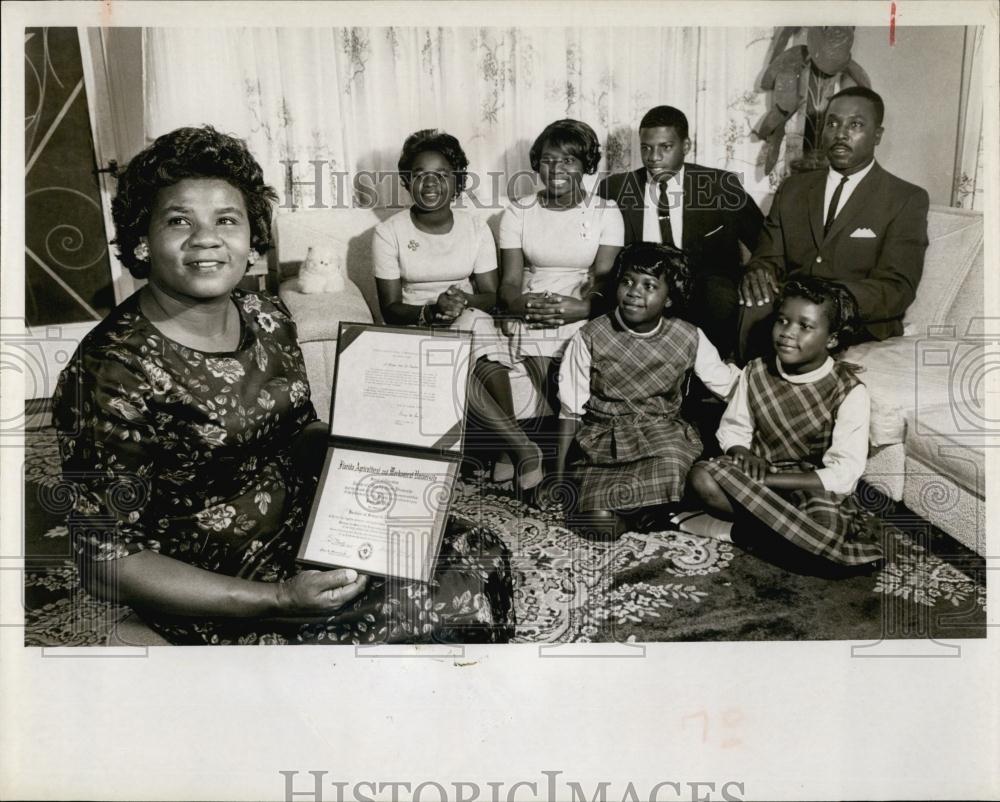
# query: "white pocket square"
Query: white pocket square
{"points": [[863, 233], [713, 231]]}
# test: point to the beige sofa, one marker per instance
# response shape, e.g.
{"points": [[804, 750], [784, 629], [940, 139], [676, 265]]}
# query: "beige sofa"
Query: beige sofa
{"points": [[929, 421]]}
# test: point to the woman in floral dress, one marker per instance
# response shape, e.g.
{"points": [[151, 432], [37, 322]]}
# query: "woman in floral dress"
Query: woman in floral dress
{"points": [[191, 445]]}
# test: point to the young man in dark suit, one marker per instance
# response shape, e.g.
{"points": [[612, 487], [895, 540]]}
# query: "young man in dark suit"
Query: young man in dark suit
{"points": [[853, 223], [701, 210]]}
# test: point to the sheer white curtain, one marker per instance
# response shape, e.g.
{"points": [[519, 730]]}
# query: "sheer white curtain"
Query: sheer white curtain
{"points": [[349, 96], [969, 187]]}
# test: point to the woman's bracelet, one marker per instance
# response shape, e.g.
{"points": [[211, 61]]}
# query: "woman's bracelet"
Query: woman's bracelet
{"points": [[422, 317]]}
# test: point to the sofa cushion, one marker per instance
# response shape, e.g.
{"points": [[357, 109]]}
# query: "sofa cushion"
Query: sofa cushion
{"points": [[884, 471], [941, 441], [321, 363], [938, 498], [904, 374], [297, 231], [953, 261], [318, 315], [889, 376], [966, 314]]}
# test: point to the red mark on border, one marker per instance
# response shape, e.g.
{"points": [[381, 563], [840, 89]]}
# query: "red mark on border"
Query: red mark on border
{"points": [[892, 25]]}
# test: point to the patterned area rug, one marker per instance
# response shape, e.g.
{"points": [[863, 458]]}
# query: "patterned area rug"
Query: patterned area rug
{"points": [[663, 586]]}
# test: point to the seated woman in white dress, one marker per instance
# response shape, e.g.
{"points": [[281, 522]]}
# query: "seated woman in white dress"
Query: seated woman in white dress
{"points": [[437, 266], [555, 248]]}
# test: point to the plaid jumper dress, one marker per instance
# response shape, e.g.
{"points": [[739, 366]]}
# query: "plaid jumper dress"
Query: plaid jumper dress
{"points": [[793, 423], [636, 449]]}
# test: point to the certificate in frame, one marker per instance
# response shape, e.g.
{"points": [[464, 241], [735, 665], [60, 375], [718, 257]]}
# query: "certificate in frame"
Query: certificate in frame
{"points": [[397, 429], [402, 387]]}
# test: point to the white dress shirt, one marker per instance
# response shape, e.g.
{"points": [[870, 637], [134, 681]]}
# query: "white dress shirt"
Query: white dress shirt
{"points": [[843, 462], [574, 372], [650, 214], [832, 180]]}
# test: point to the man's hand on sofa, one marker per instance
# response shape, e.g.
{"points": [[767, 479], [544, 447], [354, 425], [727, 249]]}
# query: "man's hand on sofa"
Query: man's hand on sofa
{"points": [[759, 286]]}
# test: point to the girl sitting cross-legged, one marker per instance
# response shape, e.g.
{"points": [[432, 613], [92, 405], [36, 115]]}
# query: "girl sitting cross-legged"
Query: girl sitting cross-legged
{"points": [[621, 384], [795, 439]]}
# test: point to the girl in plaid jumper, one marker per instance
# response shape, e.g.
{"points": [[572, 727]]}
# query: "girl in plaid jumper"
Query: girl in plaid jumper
{"points": [[795, 436], [621, 383]]}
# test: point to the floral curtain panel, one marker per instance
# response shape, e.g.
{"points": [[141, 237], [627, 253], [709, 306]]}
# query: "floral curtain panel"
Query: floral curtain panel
{"points": [[348, 97]]}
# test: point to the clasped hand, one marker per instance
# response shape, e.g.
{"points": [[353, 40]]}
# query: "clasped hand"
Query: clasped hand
{"points": [[450, 304], [317, 592], [544, 310]]}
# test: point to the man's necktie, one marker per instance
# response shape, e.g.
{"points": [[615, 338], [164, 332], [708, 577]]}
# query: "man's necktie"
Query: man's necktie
{"points": [[663, 212], [834, 202]]}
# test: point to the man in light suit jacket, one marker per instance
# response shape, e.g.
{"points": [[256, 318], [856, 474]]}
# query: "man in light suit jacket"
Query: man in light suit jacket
{"points": [[854, 223], [703, 211]]}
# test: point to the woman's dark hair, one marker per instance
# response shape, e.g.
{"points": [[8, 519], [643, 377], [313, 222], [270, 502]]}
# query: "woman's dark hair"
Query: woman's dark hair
{"points": [[661, 261], [839, 303], [431, 139], [187, 153], [573, 137]]}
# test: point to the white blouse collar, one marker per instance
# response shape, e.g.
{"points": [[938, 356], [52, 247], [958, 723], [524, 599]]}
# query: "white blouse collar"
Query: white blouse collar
{"points": [[806, 378], [641, 335]]}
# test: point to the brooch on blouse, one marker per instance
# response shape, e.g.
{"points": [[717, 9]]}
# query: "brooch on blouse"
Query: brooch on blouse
{"points": [[413, 245]]}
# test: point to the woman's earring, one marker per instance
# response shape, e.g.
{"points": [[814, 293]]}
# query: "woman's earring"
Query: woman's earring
{"points": [[141, 251], [252, 257]]}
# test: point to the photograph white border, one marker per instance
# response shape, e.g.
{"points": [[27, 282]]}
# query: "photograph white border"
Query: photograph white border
{"points": [[786, 720]]}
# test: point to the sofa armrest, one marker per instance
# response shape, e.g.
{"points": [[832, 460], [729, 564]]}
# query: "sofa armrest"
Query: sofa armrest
{"points": [[318, 315]]}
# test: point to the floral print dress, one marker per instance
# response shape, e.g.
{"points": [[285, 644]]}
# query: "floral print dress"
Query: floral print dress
{"points": [[189, 454]]}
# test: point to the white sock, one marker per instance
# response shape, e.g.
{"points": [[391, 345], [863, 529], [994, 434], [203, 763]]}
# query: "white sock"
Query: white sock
{"points": [[704, 525]]}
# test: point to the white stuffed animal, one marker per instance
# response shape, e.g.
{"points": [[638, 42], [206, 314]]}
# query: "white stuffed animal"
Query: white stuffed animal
{"points": [[324, 270]]}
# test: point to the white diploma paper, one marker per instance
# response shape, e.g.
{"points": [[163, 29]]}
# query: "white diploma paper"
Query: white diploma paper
{"points": [[379, 513], [404, 388]]}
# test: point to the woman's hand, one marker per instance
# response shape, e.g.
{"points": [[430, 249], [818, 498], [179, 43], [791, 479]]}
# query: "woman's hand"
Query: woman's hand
{"points": [[450, 304], [547, 310], [757, 468], [312, 592], [518, 306]]}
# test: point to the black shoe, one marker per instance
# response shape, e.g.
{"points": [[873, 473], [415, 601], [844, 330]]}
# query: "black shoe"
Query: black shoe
{"points": [[597, 527]]}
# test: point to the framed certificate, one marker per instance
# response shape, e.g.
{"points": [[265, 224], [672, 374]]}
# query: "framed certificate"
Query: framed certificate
{"points": [[405, 387], [397, 428], [379, 512]]}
